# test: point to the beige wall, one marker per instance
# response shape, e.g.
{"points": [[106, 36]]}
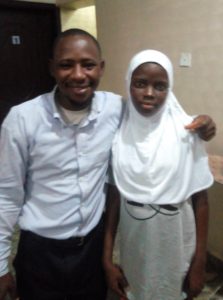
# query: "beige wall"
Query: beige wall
{"points": [[173, 26], [83, 18]]}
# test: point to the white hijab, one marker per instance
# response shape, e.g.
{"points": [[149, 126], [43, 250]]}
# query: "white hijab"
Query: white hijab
{"points": [[156, 160]]}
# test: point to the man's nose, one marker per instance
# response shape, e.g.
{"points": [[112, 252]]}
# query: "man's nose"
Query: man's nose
{"points": [[78, 73]]}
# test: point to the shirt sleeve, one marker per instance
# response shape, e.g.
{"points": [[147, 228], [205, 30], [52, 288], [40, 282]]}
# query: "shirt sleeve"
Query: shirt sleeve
{"points": [[13, 153]]}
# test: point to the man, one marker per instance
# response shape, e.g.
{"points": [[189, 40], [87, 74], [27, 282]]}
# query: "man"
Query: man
{"points": [[55, 151]]}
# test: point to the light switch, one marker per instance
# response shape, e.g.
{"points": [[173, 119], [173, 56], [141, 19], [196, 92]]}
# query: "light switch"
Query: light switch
{"points": [[185, 59]]}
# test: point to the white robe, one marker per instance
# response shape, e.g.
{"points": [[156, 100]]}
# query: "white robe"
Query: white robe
{"points": [[158, 164], [156, 253]]}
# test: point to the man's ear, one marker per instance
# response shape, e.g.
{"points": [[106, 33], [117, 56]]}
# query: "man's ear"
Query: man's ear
{"points": [[102, 66]]}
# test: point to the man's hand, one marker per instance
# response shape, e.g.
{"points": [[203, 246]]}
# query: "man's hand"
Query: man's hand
{"points": [[7, 287], [204, 126]]}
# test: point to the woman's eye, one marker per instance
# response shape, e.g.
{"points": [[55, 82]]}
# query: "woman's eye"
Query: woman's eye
{"points": [[139, 84], [161, 87]]}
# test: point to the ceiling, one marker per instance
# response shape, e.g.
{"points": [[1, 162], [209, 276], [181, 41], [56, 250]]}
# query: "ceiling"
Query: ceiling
{"points": [[74, 4]]}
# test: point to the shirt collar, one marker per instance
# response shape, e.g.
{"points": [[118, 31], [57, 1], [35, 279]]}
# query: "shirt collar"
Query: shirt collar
{"points": [[96, 106]]}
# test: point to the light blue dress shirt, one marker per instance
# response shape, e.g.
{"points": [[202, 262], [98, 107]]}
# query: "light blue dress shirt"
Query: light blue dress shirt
{"points": [[52, 175]]}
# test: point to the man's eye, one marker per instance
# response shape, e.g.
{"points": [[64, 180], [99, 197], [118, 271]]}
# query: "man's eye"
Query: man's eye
{"points": [[89, 66], [64, 66]]}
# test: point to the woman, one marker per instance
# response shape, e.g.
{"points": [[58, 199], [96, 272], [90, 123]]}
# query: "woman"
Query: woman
{"points": [[161, 171]]}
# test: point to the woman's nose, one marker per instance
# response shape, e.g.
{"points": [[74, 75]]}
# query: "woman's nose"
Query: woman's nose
{"points": [[149, 91]]}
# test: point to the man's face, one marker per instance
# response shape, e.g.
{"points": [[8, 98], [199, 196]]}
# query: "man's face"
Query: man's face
{"points": [[77, 68]]}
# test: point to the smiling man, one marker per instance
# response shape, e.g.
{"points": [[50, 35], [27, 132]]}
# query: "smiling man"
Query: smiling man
{"points": [[55, 152], [77, 67]]}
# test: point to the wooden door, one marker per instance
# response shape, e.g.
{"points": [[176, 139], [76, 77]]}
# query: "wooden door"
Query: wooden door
{"points": [[27, 31]]}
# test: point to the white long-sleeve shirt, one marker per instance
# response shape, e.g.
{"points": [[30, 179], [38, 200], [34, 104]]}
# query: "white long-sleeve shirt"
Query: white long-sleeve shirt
{"points": [[52, 175]]}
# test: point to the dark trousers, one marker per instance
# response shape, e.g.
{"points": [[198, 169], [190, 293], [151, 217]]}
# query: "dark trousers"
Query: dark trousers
{"points": [[48, 269]]}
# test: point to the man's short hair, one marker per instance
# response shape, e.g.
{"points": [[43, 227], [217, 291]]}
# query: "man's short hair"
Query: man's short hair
{"points": [[74, 32]]}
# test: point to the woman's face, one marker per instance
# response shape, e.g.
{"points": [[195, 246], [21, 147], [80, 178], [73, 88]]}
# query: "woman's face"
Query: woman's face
{"points": [[149, 88]]}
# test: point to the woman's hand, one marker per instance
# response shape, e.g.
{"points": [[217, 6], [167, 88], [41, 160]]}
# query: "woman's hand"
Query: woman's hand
{"points": [[204, 126], [195, 278], [116, 279]]}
